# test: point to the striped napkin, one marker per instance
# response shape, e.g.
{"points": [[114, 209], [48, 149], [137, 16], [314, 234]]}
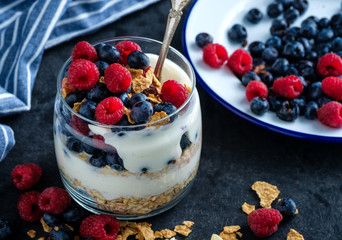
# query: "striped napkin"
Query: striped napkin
{"points": [[27, 27]]}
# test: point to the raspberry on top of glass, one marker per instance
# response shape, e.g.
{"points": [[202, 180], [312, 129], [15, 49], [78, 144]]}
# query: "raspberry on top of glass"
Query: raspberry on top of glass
{"points": [[115, 85]]}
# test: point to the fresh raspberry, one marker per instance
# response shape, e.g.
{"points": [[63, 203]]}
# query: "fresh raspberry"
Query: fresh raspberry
{"points": [[329, 65], [240, 61], [109, 111], [83, 74], [99, 227], [28, 207], [174, 92], [256, 89], [84, 50], [117, 78], [79, 125], [99, 142], [289, 87], [54, 200], [264, 221], [125, 48], [26, 175], [214, 55], [331, 114], [332, 86]]}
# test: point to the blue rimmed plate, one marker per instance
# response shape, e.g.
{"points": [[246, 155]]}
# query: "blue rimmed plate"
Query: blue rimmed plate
{"points": [[216, 17]]}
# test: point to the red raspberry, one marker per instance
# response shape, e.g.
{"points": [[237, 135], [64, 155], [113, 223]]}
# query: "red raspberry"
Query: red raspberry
{"points": [[117, 78], [125, 48], [99, 227], [83, 74], [174, 92], [109, 111], [331, 114], [54, 200], [240, 61], [329, 65], [289, 87], [84, 50], [264, 221], [256, 89], [26, 175], [28, 207], [332, 86], [79, 125], [214, 55], [99, 142]]}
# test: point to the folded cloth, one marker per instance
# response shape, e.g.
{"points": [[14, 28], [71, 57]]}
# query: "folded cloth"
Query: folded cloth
{"points": [[27, 27]]}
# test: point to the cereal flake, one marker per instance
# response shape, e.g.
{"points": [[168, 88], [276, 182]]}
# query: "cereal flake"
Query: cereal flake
{"points": [[231, 229], [189, 224], [266, 192], [83, 156], [215, 237], [101, 79], [46, 227], [154, 99], [188, 88], [157, 116], [128, 232], [128, 114], [158, 234], [182, 229], [167, 233], [135, 73], [145, 231], [294, 235], [247, 208], [228, 236], [32, 233], [77, 105], [296, 212], [41, 238]]}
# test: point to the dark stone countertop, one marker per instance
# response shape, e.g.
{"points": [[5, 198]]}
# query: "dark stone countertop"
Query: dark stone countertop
{"points": [[235, 154]]}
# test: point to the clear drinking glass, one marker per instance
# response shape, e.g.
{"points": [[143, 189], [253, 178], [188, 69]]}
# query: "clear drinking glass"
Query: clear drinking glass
{"points": [[151, 167]]}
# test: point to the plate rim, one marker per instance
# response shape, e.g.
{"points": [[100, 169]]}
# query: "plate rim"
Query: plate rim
{"points": [[238, 112]]}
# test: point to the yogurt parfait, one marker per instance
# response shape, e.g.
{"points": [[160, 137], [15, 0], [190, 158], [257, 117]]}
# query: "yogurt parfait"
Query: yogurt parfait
{"points": [[127, 143]]}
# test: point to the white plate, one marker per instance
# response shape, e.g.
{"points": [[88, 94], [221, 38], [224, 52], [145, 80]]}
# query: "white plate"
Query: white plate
{"points": [[216, 17]]}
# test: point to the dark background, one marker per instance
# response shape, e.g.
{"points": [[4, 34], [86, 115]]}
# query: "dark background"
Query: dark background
{"points": [[235, 154]]}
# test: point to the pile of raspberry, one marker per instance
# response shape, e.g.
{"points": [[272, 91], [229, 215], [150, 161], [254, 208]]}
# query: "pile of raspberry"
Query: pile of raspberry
{"points": [[297, 71], [60, 218]]}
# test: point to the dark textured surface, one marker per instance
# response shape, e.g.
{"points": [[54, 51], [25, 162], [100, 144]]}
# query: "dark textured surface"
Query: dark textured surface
{"points": [[235, 154]]}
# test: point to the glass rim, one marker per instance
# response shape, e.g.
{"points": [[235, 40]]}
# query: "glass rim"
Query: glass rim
{"points": [[130, 38]]}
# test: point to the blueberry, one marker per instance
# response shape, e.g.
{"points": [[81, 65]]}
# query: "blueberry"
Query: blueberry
{"points": [[141, 112], [144, 170], [98, 160], [304, 64], [61, 232], [323, 100], [256, 48], [304, 82], [254, 15], [288, 111], [294, 51], [280, 66], [74, 144], [51, 219], [123, 122], [325, 35], [124, 98], [270, 54], [75, 96], [278, 27], [274, 102], [323, 23], [137, 97], [203, 39], [291, 71], [287, 207], [88, 149], [266, 77], [275, 42], [313, 18], [309, 74], [309, 29], [274, 9], [286, 3], [336, 21], [107, 53], [138, 60], [98, 93], [237, 33], [301, 5], [291, 34], [322, 49], [336, 44], [312, 55], [339, 53], [259, 105], [301, 103], [311, 110], [314, 91], [87, 109], [5, 229], [114, 161], [258, 62], [291, 14], [167, 107], [184, 142], [73, 214], [308, 44], [101, 65], [248, 77]]}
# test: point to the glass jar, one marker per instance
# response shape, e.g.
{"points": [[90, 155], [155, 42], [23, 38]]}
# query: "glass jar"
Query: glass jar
{"points": [[133, 171]]}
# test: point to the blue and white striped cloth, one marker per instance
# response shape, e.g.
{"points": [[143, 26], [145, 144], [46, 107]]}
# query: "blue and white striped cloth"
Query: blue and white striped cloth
{"points": [[27, 27]]}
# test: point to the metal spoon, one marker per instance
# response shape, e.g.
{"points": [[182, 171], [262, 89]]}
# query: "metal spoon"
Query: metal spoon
{"points": [[172, 23]]}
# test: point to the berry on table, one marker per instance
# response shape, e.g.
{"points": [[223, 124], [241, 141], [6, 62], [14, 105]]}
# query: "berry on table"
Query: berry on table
{"points": [[331, 114], [287, 207], [256, 89], [5, 229], [264, 221], [311, 110], [280, 66], [291, 14], [278, 27], [237, 33], [54, 200], [99, 227], [138, 60], [141, 112], [248, 77], [73, 214], [314, 91], [289, 87], [256, 48], [125, 48], [84, 50], [109, 111], [308, 29], [275, 42], [336, 44], [28, 206], [288, 111], [294, 51], [330, 65], [286, 3], [301, 103], [203, 39], [61, 232], [332, 86], [107, 53], [240, 61], [301, 5], [259, 105], [215, 55], [266, 77], [254, 15], [117, 78], [274, 9], [325, 35], [51, 219], [269, 55], [174, 92], [26, 175]]}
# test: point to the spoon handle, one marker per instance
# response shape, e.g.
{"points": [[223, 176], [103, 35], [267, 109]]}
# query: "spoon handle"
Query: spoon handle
{"points": [[172, 23]]}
